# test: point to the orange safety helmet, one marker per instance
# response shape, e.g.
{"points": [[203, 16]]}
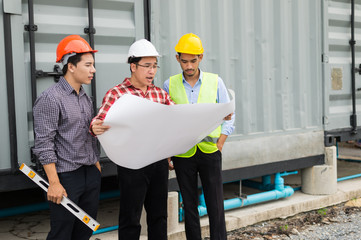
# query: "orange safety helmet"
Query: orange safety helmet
{"points": [[72, 44], [189, 43]]}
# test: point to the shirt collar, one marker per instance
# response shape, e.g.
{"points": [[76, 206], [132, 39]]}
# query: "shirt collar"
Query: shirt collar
{"points": [[200, 76], [69, 89], [199, 80], [128, 83]]}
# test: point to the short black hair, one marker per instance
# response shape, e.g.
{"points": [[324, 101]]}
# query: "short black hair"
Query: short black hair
{"points": [[179, 54], [73, 60], [134, 60]]}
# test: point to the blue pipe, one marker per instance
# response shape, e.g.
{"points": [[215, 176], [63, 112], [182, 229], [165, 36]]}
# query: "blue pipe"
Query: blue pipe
{"points": [[348, 177], [202, 200], [252, 199], [107, 229], [109, 195], [280, 191], [7, 212], [181, 211], [265, 185]]}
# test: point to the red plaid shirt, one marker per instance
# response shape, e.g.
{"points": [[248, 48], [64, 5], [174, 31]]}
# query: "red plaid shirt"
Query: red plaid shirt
{"points": [[153, 93]]}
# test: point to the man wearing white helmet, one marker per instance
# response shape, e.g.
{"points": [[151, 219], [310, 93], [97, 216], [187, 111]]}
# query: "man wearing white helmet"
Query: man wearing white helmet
{"points": [[148, 185]]}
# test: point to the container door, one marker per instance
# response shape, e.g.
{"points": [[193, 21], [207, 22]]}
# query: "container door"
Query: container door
{"points": [[5, 163], [337, 66], [117, 24]]}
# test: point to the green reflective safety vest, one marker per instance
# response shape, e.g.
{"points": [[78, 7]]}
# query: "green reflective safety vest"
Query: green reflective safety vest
{"points": [[207, 94]]}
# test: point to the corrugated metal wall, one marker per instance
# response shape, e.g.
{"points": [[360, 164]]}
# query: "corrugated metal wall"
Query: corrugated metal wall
{"points": [[269, 52], [338, 88], [117, 22]]}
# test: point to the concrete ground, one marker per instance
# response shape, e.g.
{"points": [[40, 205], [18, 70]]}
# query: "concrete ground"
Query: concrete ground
{"points": [[36, 225]]}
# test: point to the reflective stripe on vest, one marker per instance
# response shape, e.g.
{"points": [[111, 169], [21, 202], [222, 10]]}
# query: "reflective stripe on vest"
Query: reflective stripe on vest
{"points": [[207, 94]]}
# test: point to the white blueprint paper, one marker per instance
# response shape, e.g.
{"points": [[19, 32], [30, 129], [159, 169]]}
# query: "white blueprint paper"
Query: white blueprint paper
{"points": [[143, 132]]}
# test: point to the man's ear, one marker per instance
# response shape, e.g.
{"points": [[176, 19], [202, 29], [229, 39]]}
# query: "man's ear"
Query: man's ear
{"points": [[177, 57], [133, 66], [71, 67]]}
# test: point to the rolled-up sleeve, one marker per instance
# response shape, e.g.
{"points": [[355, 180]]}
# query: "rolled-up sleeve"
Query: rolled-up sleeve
{"points": [[46, 116], [223, 97]]}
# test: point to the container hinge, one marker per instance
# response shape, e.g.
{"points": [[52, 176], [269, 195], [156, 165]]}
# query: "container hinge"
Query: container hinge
{"points": [[358, 70], [31, 28], [89, 30], [353, 121], [324, 58], [325, 120], [57, 73]]}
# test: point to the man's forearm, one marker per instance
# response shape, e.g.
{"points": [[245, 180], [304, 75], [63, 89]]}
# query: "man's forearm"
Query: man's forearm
{"points": [[221, 140], [51, 173]]}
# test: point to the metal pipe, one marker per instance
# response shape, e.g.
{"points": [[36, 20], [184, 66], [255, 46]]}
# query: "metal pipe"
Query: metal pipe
{"points": [[9, 68], [91, 31], [353, 117], [31, 29], [146, 6]]}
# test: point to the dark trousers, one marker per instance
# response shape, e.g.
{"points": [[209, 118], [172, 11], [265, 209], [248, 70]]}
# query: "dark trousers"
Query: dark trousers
{"points": [[148, 186], [83, 188], [209, 167]]}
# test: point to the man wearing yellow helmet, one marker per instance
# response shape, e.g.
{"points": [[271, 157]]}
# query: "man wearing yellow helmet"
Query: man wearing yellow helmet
{"points": [[191, 87], [63, 144]]}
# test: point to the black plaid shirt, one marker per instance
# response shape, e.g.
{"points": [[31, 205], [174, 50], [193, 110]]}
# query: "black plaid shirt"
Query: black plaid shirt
{"points": [[61, 126]]}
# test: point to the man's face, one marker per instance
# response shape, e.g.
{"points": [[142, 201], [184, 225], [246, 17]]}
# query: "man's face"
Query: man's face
{"points": [[144, 71], [83, 72], [189, 63]]}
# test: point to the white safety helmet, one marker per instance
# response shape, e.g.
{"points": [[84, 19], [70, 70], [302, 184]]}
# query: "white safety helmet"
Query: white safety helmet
{"points": [[142, 48]]}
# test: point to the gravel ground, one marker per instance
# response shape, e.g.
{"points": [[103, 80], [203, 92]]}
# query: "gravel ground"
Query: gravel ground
{"points": [[339, 222]]}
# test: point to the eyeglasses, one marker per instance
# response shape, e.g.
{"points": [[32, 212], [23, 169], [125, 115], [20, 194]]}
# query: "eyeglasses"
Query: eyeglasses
{"points": [[148, 66]]}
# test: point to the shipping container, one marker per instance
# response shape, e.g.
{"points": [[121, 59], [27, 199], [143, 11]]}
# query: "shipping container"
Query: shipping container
{"points": [[294, 66]]}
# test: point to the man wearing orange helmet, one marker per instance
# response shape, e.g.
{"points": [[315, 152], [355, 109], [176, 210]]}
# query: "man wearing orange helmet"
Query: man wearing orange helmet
{"points": [[191, 87], [63, 144], [147, 186]]}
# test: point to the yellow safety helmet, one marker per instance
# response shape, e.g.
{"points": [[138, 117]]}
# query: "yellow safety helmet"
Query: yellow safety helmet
{"points": [[189, 43]]}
